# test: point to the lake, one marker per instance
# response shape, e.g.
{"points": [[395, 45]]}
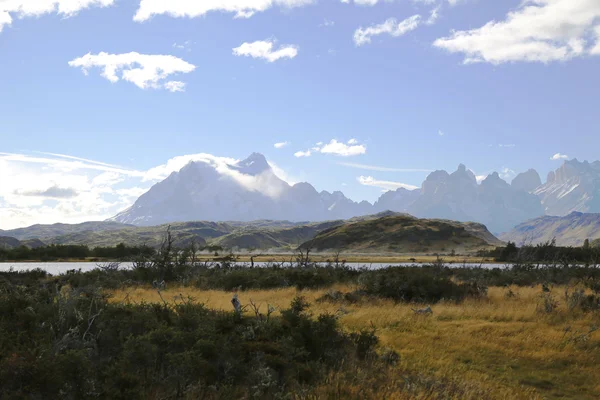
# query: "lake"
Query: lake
{"points": [[57, 268]]}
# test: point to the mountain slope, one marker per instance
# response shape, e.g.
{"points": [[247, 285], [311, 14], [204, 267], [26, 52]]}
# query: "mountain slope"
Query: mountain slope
{"points": [[459, 197], [575, 186], [246, 191], [404, 234], [570, 230], [50, 231]]}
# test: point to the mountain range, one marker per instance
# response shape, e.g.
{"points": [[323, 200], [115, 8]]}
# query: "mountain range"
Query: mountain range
{"points": [[570, 230], [250, 190]]}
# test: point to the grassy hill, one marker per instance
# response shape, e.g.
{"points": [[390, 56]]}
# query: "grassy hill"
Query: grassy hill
{"points": [[273, 238], [404, 234], [570, 230], [385, 232]]}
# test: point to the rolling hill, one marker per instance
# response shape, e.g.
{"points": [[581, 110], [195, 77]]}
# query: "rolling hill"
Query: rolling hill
{"points": [[404, 234]]}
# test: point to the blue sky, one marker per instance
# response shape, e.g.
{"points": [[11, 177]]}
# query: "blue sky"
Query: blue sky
{"points": [[499, 86]]}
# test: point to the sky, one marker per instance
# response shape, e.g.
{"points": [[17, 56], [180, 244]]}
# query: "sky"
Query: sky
{"points": [[100, 99]]}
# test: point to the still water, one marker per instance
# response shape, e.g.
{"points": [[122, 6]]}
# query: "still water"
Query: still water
{"points": [[57, 268]]}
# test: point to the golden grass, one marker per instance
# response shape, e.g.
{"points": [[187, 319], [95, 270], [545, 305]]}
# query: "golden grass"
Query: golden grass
{"points": [[503, 347]]}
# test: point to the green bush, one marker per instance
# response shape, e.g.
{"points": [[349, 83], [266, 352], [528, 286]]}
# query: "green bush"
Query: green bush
{"points": [[61, 342]]}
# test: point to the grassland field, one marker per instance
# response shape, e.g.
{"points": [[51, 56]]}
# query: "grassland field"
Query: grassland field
{"points": [[499, 347]]}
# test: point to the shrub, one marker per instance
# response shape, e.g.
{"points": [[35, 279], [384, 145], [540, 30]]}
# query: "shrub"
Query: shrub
{"points": [[71, 343]]}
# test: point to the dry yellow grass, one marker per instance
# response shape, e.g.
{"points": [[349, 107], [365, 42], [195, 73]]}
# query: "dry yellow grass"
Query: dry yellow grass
{"points": [[501, 347]]}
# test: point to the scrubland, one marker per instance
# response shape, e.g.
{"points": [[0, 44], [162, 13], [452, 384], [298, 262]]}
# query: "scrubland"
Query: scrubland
{"points": [[505, 345]]}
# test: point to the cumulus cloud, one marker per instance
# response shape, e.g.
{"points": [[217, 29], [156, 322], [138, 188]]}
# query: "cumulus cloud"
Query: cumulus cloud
{"points": [[386, 185], [559, 156], [198, 8], [144, 71], [391, 27], [299, 154], [281, 145], [36, 8], [265, 49], [538, 31], [342, 149]]}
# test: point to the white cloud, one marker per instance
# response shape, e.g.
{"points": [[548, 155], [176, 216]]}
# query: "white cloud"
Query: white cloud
{"points": [[480, 178], [144, 71], [391, 26], [327, 23], [281, 145], [441, 132], [507, 174], [59, 188], [381, 169], [507, 145], [187, 45], [352, 141], [175, 86], [434, 15], [559, 156], [387, 185], [62, 188], [538, 31], [282, 174], [299, 154], [264, 49], [341, 149], [36, 8], [198, 8]]}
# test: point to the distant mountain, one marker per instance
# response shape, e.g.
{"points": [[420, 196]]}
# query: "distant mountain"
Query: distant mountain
{"points": [[570, 230], [398, 200], [459, 197], [527, 181], [250, 190], [50, 231], [246, 191], [575, 186], [7, 242], [404, 234]]}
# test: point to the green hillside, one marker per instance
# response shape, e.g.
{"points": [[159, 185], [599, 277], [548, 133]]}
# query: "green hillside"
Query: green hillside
{"points": [[404, 234]]}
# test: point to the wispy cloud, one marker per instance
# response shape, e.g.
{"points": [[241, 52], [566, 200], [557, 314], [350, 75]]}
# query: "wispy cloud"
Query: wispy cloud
{"points": [[36, 8], [327, 23], [198, 8], [281, 145], [559, 156], [386, 185], [381, 169], [265, 49], [391, 27], [144, 71]]}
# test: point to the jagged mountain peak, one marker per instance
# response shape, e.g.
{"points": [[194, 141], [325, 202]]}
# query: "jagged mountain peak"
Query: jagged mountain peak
{"points": [[255, 164], [527, 181]]}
